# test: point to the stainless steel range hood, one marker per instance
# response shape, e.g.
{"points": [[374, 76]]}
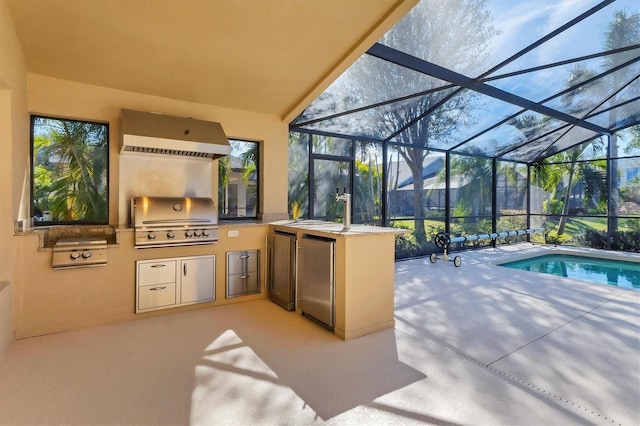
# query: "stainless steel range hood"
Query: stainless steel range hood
{"points": [[157, 134]]}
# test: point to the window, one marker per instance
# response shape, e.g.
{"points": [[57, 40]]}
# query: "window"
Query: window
{"points": [[69, 178], [239, 181]]}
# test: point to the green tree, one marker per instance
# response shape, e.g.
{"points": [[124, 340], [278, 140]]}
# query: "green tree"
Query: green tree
{"points": [[474, 193], [243, 160], [433, 114], [510, 173], [624, 30], [299, 171], [367, 184], [70, 159], [634, 144], [560, 173]]}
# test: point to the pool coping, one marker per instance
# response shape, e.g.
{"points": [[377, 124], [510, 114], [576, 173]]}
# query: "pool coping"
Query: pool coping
{"points": [[572, 251]]}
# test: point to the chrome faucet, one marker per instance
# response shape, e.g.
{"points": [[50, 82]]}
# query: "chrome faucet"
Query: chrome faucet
{"points": [[346, 198]]}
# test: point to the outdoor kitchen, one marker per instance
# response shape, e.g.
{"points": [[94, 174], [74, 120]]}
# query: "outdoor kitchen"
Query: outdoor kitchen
{"points": [[89, 285], [171, 253]]}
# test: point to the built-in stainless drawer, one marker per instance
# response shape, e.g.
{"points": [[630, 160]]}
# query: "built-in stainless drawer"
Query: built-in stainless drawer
{"points": [[243, 273], [156, 296], [242, 284], [156, 272], [242, 261]]}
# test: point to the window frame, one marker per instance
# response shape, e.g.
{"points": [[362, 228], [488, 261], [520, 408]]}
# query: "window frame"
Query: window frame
{"points": [[32, 203], [258, 183]]}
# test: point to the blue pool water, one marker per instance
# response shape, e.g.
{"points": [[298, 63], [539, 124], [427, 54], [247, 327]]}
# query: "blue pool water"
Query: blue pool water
{"points": [[602, 271]]}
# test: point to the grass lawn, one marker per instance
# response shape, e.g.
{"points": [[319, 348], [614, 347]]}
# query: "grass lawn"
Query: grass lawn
{"points": [[574, 224]]}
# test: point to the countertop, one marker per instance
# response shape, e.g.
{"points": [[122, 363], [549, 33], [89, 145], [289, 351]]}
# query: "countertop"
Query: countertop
{"points": [[335, 228], [49, 235]]}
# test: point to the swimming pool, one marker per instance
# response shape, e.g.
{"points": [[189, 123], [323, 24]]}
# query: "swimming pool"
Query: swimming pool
{"points": [[602, 271]]}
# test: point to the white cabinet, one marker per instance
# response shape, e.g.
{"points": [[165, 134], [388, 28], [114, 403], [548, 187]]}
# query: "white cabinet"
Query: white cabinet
{"points": [[165, 283], [243, 273]]}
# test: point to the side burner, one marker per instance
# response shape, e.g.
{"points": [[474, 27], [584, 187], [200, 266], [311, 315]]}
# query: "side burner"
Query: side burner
{"points": [[79, 252]]}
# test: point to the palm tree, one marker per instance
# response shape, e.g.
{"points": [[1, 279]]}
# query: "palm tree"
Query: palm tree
{"points": [[247, 154], [562, 171], [624, 30], [299, 171], [511, 175], [367, 188], [474, 194], [78, 189]]}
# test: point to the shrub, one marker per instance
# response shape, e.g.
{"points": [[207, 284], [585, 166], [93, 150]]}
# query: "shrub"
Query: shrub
{"points": [[553, 206], [407, 246], [552, 237], [626, 241], [592, 238], [623, 241], [634, 225]]}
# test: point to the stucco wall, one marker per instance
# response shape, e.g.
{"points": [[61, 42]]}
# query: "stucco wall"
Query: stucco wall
{"points": [[50, 96], [14, 131], [22, 93]]}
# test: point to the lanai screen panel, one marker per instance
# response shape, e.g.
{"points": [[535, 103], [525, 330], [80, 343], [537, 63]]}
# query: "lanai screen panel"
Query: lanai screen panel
{"points": [[515, 80]]}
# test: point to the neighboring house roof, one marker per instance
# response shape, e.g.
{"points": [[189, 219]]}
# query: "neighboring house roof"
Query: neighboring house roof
{"points": [[430, 170]]}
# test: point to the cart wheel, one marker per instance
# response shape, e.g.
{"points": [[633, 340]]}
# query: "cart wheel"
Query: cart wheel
{"points": [[441, 240], [457, 261], [433, 257]]}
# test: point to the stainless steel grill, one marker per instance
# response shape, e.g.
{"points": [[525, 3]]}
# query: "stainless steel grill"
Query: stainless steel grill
{"points": [[172, 221]]}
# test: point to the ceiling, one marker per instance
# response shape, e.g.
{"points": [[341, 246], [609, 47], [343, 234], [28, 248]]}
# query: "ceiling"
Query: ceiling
{"points": [[266, 56]]}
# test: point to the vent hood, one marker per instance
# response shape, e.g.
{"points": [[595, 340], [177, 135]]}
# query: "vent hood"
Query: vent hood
{"points": [[158, 134]]}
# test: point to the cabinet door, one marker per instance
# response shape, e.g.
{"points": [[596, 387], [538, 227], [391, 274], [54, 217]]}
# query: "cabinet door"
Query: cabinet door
{"points": [[197, 279], [315, 279], [282, 273]]}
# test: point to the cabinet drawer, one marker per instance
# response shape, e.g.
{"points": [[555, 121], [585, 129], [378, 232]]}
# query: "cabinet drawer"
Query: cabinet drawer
{"points": [[155, 296], [242, 261], [159, 272], [242, 284]]}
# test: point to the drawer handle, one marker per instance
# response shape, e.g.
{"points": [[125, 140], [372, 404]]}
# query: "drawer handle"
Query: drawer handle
{"points": [[244, 277], [245, 256], [158, 265], [158, 288]]}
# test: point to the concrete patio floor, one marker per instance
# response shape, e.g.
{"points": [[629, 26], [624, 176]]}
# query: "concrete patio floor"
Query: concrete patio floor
{"points": [[573, 344], [479, 344]]}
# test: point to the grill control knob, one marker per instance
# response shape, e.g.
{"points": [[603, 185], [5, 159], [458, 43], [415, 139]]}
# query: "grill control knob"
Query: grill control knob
{"points": [[86, 254], [171, 235], [188, 234], [205, 233], [74, 255], [151, 235], [197, 232]]}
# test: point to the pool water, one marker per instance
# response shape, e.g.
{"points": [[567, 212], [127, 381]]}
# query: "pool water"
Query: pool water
{"points": [[602, 271]]}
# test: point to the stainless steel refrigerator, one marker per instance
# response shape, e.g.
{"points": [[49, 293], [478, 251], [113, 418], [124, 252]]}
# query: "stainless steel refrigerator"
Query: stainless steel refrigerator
{"points": [[315, 279]]}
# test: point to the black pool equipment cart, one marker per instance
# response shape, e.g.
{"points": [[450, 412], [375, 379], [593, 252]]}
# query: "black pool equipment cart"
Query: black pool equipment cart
{"points": [[443, 241]]}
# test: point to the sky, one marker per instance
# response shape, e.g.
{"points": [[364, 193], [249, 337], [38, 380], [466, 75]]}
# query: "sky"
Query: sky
{"points": [[519, 23]]}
